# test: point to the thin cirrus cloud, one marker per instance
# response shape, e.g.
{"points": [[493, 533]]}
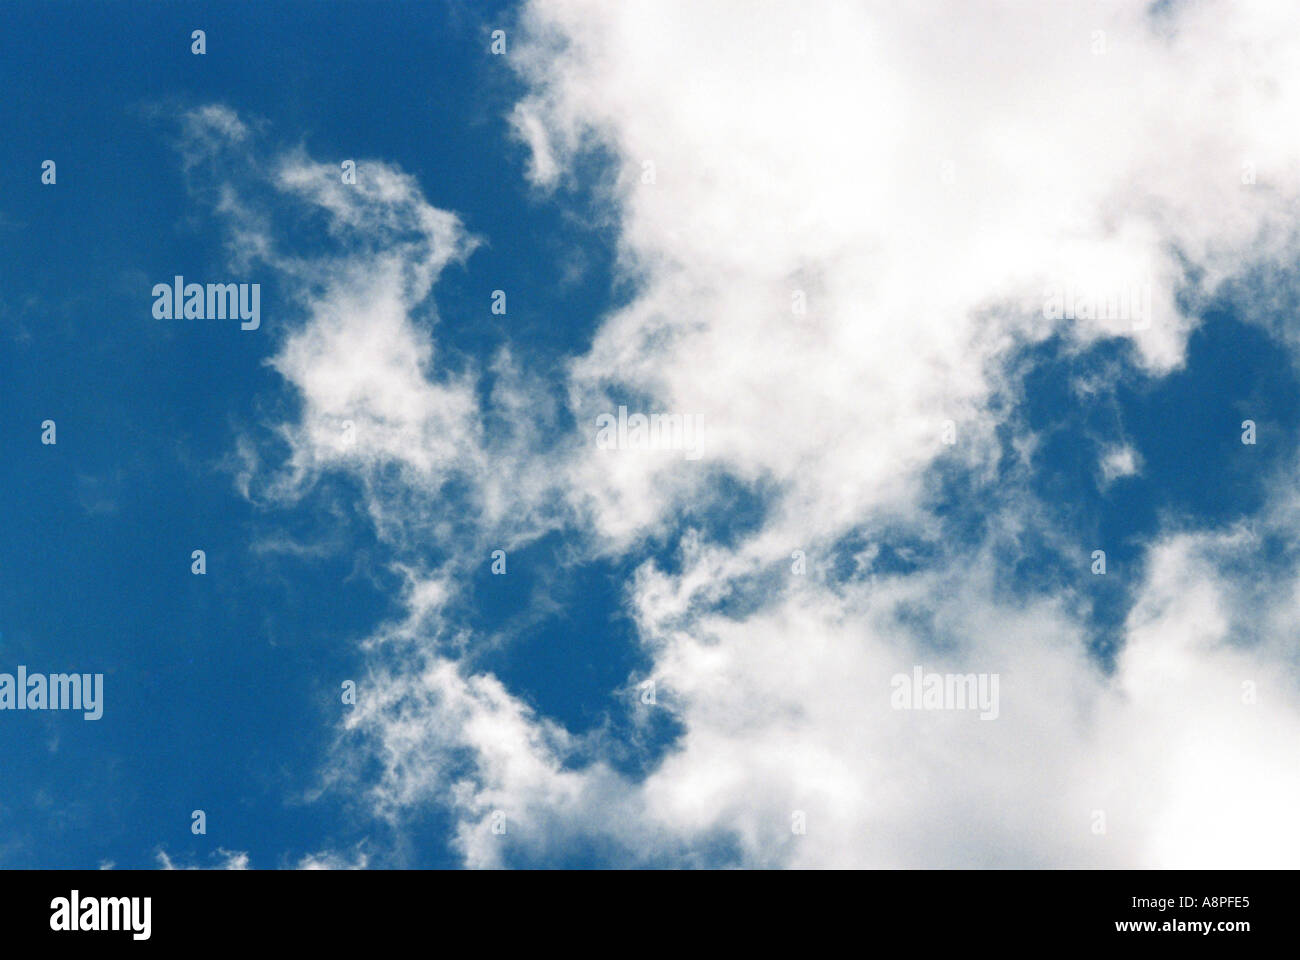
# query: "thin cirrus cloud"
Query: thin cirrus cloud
{"points": [[840, 223]]}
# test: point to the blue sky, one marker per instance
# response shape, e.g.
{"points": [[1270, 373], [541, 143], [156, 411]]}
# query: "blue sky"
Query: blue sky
{"points": [[231, 677], [521, 695]]}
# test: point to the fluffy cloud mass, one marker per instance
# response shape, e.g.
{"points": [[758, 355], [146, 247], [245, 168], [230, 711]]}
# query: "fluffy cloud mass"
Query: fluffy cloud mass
{"points": [[841, 222]]}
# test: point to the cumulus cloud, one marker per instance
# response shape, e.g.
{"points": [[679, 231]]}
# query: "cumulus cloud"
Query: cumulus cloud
{"points": [[1176, 758], [855, 211], [840, 221]]}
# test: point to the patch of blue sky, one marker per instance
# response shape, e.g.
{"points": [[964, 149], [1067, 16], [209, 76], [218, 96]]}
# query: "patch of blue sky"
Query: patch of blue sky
{"points": [[222, 691]]}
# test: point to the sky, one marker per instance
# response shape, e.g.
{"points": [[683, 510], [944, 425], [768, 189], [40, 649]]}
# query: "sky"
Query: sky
{"points": [[967, 330]]}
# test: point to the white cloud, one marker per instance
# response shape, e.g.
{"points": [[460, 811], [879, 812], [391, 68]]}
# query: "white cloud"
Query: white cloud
{"points": [[926, 180], [353, 341], [1120, 461], [922, 180], [224, 860], [330, 860], [240, 860], [808, 149], [787, 710]]}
